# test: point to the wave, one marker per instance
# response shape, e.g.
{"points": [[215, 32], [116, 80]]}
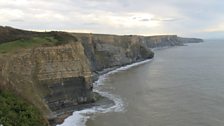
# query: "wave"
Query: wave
{"points": [[79, 118]]}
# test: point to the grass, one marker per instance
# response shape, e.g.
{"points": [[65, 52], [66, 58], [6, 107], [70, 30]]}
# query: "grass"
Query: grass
{"points": [[27, 43], [21, 40], [15, 111]]}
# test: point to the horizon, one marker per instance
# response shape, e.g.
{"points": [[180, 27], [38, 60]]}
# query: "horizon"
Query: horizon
{"points": [[74, 32], [185, 18], [207, 39]]}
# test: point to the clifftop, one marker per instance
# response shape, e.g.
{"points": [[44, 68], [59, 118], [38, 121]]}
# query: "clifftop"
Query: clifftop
{"points": [[11, 34], [12, 39]]}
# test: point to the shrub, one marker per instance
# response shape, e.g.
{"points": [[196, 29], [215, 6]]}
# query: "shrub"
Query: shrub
{"points": [[15, 111]]}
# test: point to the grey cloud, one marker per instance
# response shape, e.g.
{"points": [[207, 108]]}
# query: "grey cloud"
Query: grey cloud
{"points": [[164, 19], [141, 19], [145, 19], [17, 20], [183, 16]]}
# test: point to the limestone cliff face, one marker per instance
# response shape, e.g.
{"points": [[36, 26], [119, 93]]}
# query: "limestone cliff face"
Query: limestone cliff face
{"points": [[161, 41], [168, 40], [52, 78], [105, 51], [58, 78]]}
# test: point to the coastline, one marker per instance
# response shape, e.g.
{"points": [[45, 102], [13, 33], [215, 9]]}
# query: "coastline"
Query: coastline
{"points": [[108, 103], [55, 72], [63, 115]]}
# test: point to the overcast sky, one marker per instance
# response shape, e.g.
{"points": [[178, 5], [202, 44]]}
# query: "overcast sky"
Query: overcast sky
{"points": [[191, 18]]}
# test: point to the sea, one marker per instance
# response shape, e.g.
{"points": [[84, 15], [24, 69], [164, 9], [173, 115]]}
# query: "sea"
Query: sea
{"points": [[180, 86]]}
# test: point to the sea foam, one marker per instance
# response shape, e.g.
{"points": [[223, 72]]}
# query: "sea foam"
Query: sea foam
{"points": [[79, 118]]}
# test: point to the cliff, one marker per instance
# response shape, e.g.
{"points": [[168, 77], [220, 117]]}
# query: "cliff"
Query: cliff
{"points": [[56, 74], [105, 51]]}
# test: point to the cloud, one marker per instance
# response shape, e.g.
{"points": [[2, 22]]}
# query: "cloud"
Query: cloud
{"points": [[164, 19], [184, 17], [218, 27], [17, 20], [145, 19]]}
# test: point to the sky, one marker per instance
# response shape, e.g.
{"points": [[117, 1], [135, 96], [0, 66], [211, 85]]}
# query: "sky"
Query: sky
{"points": [[188, 18]]}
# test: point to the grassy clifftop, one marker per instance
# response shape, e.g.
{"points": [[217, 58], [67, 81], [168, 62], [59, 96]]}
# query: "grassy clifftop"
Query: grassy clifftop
{"points": [[12, 46], [11, 34], [12, 39]]}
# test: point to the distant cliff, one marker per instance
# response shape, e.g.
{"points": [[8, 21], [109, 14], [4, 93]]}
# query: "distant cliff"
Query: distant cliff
{"points": [[57, 73], [104, 51]]}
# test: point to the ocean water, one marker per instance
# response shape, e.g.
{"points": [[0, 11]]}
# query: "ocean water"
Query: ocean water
{"points": [[79, 118], [180, 86]]}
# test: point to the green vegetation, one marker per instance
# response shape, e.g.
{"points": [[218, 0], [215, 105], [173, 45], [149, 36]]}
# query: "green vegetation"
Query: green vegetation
{"points": [[15, 111], [27, 43], [12, 40]]}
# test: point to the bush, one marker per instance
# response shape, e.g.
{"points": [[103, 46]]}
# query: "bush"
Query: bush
{"points": [[15, 111]]}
